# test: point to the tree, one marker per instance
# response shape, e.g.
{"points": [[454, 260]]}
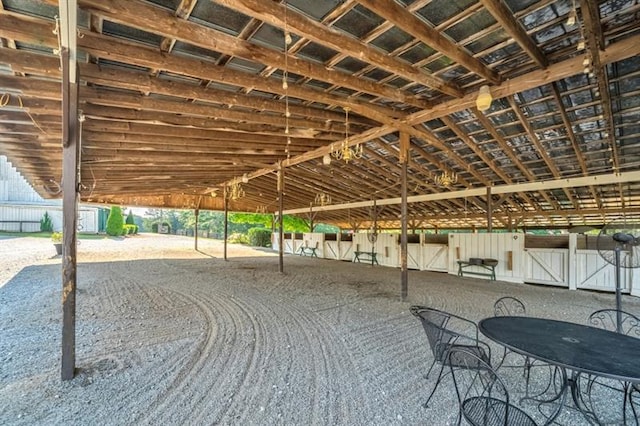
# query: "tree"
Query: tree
{"points": [[46, 225], [115, 221], [130, 220]]}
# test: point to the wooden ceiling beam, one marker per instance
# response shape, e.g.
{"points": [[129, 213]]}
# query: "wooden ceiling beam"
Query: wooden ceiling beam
{"points": [[40, 33], [156, 20], [533, 138], [595, 45], [158, 140], [46, 66], [105, 113], [508, 151], [615, 52], [274, 14], [505, 17], [183, 11], [408, 22]]}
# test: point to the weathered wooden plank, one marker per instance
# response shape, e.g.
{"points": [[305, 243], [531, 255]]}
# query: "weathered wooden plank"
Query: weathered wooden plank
{"points": [[393, 12], [274, 14]]}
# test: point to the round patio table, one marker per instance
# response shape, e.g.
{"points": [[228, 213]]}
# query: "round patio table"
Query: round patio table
{"points": [[575, 347]]}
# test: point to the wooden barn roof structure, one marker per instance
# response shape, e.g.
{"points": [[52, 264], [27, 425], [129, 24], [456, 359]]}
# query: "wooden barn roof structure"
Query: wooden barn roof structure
{"points": [[180, 98]]}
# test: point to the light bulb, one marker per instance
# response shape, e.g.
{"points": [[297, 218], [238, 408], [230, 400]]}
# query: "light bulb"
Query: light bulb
{"points": [[285, 85], [287, 38], [483, 102], [571, 20], [581, 45], [586, 62], [287, 113]]}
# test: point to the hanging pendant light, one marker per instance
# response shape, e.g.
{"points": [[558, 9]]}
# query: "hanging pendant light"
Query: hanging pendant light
{"points": [[484, 99]]}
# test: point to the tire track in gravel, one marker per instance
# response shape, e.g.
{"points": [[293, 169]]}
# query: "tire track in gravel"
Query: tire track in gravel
{"points": [[326, 356], [127, 294], [197, 359]]}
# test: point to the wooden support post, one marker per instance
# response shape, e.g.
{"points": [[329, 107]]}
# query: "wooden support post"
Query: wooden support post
{"points": [[197, 213], [404, 160], [69, 218], [226, 220], [489, 211], [280, 219]]}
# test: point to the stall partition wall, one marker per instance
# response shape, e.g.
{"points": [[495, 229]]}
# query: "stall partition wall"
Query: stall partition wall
{"points": [[506, 248], [314, 239], [521, 258]]}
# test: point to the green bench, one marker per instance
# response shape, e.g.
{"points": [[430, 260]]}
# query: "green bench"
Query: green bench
{"points": [[466, 267], [358, 256], [306, 250]]}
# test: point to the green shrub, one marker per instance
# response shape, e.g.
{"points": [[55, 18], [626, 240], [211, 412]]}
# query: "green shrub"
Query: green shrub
{"points": [[129, 229], [130, 220], [115, 222], [135, 229], [56, 237], [260, 237], [238, 238], [46, 225]]}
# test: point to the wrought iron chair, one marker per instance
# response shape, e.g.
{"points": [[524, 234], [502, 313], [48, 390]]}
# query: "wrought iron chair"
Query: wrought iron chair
{"points": [[635, 388], [445, 331], [511, 306], [505, 307], [482, 395], [607, 319]]}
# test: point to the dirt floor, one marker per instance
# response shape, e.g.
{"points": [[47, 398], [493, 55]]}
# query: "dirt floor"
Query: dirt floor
{"points": [[170, 335]]}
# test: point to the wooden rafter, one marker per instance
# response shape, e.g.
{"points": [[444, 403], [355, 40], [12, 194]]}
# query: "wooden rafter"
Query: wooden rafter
{"points": [[274, 14], [408, 22]]}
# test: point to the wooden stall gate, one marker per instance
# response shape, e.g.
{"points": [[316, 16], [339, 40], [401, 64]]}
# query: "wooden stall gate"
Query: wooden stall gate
{"points": [[345, 247], [331, 247], [435, 252]]}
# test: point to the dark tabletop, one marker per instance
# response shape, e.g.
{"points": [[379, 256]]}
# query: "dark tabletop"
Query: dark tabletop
{"points": [[573, 346]]}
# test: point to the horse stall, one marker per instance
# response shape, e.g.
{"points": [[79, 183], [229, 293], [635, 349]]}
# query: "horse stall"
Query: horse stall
{"points": [[313, 240], [297, 242], [288, 241], [505, 248], [414, 251], [388, 249], [345, 247], [593, 272], [331, 247], [435, 253], [546, 259], [365, 245]]}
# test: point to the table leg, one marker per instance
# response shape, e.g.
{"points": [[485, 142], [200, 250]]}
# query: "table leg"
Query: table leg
{"points": [[569, 384]]}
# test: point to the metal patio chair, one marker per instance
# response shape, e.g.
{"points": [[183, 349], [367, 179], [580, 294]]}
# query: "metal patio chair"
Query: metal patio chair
{"points": [[512, 306], [445, 331], [483, 397], [607, 319]]}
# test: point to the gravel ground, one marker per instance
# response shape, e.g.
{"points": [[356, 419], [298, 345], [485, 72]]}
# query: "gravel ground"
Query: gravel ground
{"points": [[170, 335]]}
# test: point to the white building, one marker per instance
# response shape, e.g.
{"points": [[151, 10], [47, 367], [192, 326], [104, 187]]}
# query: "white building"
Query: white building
{"points": [[22, 208]]}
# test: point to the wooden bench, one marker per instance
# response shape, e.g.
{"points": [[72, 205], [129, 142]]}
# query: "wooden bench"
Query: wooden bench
{"points": [[306, 250], [486, 264], [365, 255]]}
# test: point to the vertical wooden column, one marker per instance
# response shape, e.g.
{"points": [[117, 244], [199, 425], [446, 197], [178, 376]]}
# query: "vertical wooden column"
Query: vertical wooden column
{"points": [[195, 233], [404, 162], [280, 219], [69, 217], [489, 210], [226, 220]]}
